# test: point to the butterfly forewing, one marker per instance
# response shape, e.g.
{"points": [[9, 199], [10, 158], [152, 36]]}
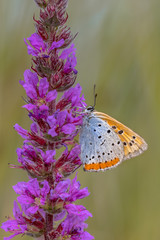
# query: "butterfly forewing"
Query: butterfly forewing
{"points": [[132, 142]]}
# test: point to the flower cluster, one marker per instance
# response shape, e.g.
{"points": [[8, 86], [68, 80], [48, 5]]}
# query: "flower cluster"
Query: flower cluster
{"points": [[36, 198], [46, 205]]}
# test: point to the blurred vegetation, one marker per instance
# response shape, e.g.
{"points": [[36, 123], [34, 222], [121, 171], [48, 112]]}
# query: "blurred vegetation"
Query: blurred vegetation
{"points": [[118, 49]]}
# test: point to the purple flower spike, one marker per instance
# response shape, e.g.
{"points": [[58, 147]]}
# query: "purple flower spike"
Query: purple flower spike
{"points": [[21, 131], [46, 207]]}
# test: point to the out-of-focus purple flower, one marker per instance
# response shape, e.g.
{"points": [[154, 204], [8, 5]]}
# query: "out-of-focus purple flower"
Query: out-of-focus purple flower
{"points": [[39, 48], [32, 195]]}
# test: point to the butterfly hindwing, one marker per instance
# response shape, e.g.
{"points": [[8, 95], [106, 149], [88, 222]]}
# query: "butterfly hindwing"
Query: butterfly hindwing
{"points": [[102, 147], [132, 142]]}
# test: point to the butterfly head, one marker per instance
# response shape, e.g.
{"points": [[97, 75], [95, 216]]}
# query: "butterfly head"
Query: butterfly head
{"points": [[90, 109]]}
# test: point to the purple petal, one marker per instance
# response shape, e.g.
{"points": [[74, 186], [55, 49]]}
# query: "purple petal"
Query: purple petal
{"points": [[31, 77], [52, 121], [68, 128], [51, 96], [52, 132], [20, 187], [61, 117], [78, 210], [49, 158], [16, 210], [45, 189], [30, 91], [10, 225], [75, 152], [31, 50], [66, 52], [25, 200], [61, 189], [43, 108], [73, 95], [34, 128], [33, 187], [56, 44], [21, 82], [43, 87], [29, 106], [32, 210], [70, 63], [19, 153], [36, 41], [22, 132], [59, 216]]}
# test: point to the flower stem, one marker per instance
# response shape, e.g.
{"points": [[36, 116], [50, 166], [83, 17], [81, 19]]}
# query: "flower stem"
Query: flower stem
{"points": [[49, 225]]}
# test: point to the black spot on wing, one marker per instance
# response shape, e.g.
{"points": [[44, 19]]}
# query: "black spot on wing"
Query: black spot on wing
{"points": [[120, 132]]}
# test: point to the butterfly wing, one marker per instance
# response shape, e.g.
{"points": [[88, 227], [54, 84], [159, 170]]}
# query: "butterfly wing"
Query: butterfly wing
{"points": [[133, 144], [101, 147]]}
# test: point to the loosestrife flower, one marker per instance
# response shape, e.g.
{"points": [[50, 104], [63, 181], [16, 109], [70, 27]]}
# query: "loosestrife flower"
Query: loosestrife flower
{"points": [[45, 205]]}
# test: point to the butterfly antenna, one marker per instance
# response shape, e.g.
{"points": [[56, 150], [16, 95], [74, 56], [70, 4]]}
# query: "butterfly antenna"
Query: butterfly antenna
{"points": [[95, 95]]}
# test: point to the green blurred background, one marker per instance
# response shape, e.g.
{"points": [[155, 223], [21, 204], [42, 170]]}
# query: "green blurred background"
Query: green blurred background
{"points": [[118, 49]]}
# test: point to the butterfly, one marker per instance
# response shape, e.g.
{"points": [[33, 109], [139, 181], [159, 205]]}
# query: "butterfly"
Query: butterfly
{"points": [[105, 142]]}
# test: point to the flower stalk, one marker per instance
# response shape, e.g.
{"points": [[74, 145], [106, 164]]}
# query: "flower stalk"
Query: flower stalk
{"points": [[46, 206]]}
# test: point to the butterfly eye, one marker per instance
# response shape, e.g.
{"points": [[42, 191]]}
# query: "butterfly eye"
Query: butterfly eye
{"points": [[90, 108]]}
